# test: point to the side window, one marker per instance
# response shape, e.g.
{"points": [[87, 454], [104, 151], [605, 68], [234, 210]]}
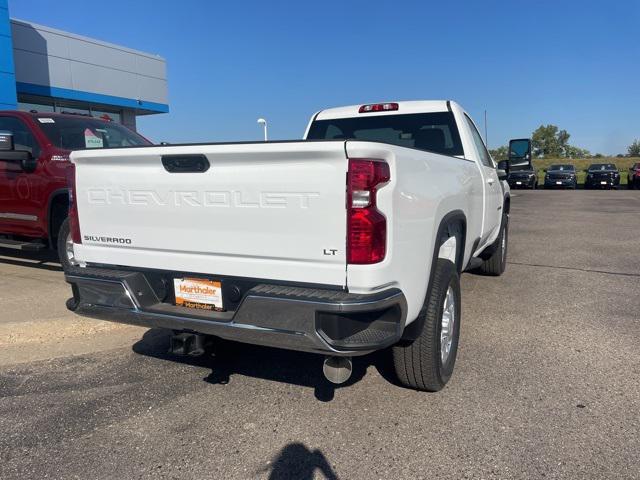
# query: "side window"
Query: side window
{"points": [[22, 136], [485, 158]]}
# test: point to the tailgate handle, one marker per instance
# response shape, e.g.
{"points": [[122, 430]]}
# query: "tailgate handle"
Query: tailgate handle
{"points": [[185, 163]]}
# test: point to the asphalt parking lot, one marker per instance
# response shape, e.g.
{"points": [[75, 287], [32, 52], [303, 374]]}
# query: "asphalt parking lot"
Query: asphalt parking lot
{"points": [[547, 383]]}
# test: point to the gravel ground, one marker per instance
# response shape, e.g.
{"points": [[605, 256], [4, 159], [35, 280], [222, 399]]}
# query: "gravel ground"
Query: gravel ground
{"points": [[547, 382]]}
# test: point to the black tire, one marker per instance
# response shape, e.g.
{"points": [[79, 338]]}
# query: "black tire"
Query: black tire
{"points": [[418, 363], [496, 264], [63, 234]]}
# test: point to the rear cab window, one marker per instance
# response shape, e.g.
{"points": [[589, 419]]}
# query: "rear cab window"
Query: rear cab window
{"points": [[481, 149], [434, 132], [76, 133]]}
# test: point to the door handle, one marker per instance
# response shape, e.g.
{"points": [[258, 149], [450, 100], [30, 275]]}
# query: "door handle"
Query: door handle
{"points": [[189, 163], [490, 181]]}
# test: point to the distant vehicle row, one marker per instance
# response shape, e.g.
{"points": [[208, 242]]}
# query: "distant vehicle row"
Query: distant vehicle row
{"points": [[599, 175]]}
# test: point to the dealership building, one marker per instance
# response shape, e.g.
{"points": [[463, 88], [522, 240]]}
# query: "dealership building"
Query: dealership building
{"points": [[47, 70]]}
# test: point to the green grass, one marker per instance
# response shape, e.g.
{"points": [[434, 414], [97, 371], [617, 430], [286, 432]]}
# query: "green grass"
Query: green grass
{"points": [[582, 164]]}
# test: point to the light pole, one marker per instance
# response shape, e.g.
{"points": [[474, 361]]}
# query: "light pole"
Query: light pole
{"points": [[263, 122]]}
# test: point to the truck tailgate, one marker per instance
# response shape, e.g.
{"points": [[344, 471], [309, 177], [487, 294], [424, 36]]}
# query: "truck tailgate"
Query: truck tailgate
{"points": [[268, 210]]}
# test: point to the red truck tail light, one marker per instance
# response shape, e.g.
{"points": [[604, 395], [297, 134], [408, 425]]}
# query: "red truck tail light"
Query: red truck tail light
{"points": [[366, 225], [378, 107], [74, 223]]}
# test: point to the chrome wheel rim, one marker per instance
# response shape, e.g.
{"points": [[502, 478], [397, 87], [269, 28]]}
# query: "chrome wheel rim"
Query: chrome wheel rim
{"points": [[447, 325], [71, 257]]}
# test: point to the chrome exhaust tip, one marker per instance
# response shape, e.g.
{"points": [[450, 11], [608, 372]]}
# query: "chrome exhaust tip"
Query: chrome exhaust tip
{"points": [[337, 369]]}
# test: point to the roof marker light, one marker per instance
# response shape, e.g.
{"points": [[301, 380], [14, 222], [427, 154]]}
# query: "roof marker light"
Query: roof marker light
{"points": [[378, 107]]}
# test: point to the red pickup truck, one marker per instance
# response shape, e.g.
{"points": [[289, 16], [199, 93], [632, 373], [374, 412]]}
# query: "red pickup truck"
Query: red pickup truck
{"points": [[34, 159]]}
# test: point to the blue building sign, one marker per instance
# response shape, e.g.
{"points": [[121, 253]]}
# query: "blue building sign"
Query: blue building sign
{"points": [[8, 99]]}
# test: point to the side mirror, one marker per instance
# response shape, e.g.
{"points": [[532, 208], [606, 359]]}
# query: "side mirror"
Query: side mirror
{"points": [[21, 157], [502, 174], [6, 142], [503, 165], [8, 153], [28, 163], [520, 150]]}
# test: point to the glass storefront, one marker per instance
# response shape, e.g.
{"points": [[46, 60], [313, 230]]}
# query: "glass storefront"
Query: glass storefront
{"points": [[29, 103], [34, 107]]}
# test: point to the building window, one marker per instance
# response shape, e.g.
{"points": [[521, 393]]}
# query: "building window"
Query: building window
{"points": [[75, 110], [38, 107], [29, 103], [109, 116]]}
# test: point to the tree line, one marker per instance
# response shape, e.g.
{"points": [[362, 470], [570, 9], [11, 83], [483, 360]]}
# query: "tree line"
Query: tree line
{"points": [[550, 141]]}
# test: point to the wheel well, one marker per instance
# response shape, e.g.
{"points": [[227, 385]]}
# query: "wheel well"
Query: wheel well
{"points": [[59, 203], [454, 226]]}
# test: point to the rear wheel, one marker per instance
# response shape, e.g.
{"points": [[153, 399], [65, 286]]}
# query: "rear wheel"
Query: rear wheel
{"points": [[427, 362], [65, 246], [496, 264]]}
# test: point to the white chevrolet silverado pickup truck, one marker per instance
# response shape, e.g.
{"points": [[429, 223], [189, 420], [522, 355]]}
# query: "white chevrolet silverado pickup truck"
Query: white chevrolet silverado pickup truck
{"points": [[347, 242]]}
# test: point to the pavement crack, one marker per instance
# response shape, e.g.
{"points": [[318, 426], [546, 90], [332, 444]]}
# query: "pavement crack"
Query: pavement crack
{"points": [[576, 269]]}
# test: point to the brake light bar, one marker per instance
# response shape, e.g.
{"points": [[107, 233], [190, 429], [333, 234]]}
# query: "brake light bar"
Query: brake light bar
{"points": [[366, 225], [378, 107]]}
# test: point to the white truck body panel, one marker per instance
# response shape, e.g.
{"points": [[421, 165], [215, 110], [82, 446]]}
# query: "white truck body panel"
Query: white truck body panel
{"points": [[261, 210], [277, 210], [414, 206]]}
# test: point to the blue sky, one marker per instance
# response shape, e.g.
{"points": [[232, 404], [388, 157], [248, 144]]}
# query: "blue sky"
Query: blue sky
{"points": [[572, 63]]}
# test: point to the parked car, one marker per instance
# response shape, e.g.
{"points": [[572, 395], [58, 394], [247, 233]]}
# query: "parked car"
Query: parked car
{"points": [[252, 241], [633, 177], [34, 162], [525, 178], [602, 175], [561, 176]]}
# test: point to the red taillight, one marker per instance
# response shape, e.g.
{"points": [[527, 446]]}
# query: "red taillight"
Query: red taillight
{"points": [[74, 223], [366, 225], [378, 107]]}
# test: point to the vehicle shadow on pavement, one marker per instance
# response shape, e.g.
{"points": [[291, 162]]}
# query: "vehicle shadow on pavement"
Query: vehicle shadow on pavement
{"points": [[46, 260], [228, 359], [297, 461]]}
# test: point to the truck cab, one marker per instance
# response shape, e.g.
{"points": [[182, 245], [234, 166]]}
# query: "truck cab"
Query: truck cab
{"points": [[34, 164]]}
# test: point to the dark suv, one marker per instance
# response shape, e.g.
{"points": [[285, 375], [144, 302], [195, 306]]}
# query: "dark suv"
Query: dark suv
{"points": [[633, 177], [522, 178], [561, 176], [602, 175]]}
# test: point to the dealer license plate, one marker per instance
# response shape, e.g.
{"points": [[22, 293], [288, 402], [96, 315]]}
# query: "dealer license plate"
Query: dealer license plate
{"points": [[518, 183], [603, 183], [558, 183], [198, 293]]}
